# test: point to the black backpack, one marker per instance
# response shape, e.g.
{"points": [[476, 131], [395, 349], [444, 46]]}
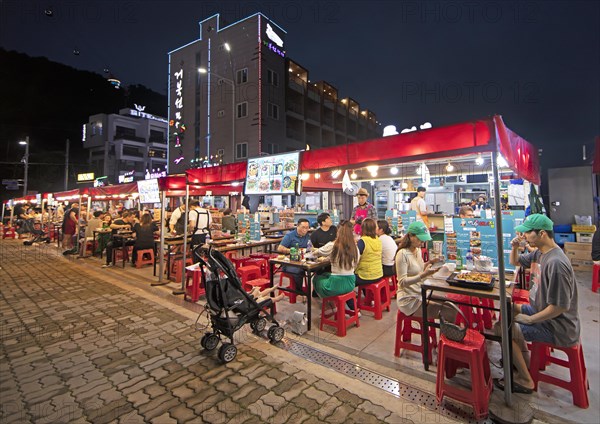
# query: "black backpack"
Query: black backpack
{"points": [[180, 224]]}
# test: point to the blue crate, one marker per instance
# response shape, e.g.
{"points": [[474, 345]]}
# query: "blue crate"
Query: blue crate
{"points": [[562, 228], [562, 238]]}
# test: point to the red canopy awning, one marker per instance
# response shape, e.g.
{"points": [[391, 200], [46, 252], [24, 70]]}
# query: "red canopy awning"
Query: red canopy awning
{"points": [[69, 194], [521, 156], [119, 190]]}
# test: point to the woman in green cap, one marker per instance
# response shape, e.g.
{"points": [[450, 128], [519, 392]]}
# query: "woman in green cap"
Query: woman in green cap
{"points": [[411, 271]]}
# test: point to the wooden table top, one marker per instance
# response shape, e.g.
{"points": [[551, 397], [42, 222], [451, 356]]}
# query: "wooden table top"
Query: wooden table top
{"points": [[439, 284], [241, 246], [306, 265]]}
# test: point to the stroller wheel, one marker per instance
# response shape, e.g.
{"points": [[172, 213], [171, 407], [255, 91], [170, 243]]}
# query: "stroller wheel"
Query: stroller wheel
{"points": [[209, 341], [259, 325], [276, 333], [227, 352]]}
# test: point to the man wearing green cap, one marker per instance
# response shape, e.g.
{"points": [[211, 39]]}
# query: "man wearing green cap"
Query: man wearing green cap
{"points": [[553, 315]]}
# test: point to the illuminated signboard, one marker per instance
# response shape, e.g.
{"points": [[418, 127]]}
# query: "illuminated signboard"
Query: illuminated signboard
{"points": [[126, 178], [100, 181], [155, 174], [139, 112], [148, 191], [273, 41], [276, 174], [178, 127], [85, 177]]}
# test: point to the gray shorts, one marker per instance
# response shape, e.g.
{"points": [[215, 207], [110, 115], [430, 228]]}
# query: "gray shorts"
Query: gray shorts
{"points": [[535, 332]]}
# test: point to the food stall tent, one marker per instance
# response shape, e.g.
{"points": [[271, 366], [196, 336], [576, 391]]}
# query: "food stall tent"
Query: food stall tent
{"points": [[488, 135]]}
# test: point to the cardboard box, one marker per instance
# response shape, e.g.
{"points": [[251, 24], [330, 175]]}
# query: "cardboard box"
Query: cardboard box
{"points": [[582, 265], [584, 237], [579, 251]]}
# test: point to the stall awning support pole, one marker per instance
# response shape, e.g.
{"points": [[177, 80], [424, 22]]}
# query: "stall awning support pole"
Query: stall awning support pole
{"points": [[185, 234], [161, 250]]}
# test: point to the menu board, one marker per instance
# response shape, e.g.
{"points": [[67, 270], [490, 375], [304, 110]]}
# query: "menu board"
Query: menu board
{"points": [[148, 191], [276, 174]]}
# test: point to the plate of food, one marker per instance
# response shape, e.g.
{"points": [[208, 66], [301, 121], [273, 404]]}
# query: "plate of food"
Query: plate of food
{"points": [[276, 184], [251, 185], [291, 166], [472, 279], [263, 185], [252, 169], [287, 183]]}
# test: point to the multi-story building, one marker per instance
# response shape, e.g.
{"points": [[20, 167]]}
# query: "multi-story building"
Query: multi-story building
{"points": [[126, 146], [234, 94]]}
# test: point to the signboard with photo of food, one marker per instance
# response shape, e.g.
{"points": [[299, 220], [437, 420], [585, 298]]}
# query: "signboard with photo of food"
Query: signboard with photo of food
{"points": [[277, 174]]}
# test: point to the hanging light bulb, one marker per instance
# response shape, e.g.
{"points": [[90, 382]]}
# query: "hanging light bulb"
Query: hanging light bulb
{"points": [[393, 170], [449, 167], [404, 186], [502, 162], [479, 160], [317, 176], [373, 174], [353, 175], [372, 182], [372, 168], [304, 176]]}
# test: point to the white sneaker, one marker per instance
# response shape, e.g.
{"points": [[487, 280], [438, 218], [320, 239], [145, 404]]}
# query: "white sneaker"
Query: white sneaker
{"points": [[107, 265]]}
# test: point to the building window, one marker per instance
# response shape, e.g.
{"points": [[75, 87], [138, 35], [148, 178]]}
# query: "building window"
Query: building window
{"points": [[241, 150], [273, 110], [242, 76], [271, 148], [242, 110], [272, 78], [221, 113], [124, 132]]}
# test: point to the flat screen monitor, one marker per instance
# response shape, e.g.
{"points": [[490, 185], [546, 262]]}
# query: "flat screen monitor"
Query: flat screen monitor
{"points": [[148, 191], [277, 174]]}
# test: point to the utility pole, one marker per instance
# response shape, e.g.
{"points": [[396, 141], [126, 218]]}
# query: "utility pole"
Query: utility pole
{"points": [[67, 166], [26, 162]]}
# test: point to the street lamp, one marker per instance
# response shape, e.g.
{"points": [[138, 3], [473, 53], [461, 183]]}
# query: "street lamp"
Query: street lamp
{"points": [[205, 71], [25, 160]]}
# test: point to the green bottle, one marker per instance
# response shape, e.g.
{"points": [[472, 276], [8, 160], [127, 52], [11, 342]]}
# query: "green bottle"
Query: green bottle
{"points": [[459, 260], [294, 253]]}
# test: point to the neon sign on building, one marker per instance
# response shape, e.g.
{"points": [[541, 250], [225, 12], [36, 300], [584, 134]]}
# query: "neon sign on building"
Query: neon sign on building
{"points": [[177, 124]]}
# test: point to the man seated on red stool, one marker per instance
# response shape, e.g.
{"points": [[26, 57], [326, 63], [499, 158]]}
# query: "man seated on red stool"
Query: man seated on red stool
{"points": [[553, 315]]}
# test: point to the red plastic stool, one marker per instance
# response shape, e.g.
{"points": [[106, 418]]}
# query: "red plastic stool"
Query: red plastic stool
{"points": [[239, 261], [471, 352], [247, 273], [404, 331], [87, 246], [378, 294], [261, 263], [291, 286], [578, 386], [9, 232], [341, 321], [488, 315], [393, 281], [471, 311], [144, 257], [266, 256], [194, 284], [595, 278], [178, 265], [262, 283], [520, 296], [118, 254]]}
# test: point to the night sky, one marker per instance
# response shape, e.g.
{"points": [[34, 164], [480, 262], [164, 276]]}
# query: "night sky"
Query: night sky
{"points": [[536, 63]]}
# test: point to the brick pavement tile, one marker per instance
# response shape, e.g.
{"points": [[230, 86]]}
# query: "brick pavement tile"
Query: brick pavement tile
{"points": [[183, 392], [200, 395], [102, 361], [110, 395], [267, 382], [217, 376], [262, 410], [285, 385], [253, 396], [119, 377], [131, 381], [229, 407], [359, 416], [131, 418], [328, 407], [295, 390], [309, 378], [330, 389], [134, 371], [213, 415], [208, 402], [155, 390], [256, 354], [304, 402], [345, 396], [93, 388], [138, 398], [314, 420], [182, 413], [316, 395], [238, 380], [397, 419], [17, 418], [32, 387], [174, 354], [340, 414], [173, 367], [226, 387], [159, 373], [152, 360], [158, 406], [138, 386], [288, 369], [198, 368], [258, 371], [50, 380], [189, 359], [111, 412], [287, 414], [246, 417], [153, 363], [277, 374], [370, 408], [182, 378], [42, 412]]}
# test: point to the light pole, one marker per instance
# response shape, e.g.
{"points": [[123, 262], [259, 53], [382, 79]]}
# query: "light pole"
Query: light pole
{"points": [[227, 80], [25, 160]]}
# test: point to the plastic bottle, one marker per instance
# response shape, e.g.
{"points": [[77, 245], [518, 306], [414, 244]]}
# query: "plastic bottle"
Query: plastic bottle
{"points": [[459, 260], [469, 261], [207, 239], [293, 253], [309, 246]]}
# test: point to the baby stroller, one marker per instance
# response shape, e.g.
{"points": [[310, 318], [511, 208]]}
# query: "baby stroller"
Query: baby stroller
{"points": [[230, 307], [38, 232]]}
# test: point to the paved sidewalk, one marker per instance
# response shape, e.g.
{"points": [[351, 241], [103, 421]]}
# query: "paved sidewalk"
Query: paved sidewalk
{"points": [[78, 345]]}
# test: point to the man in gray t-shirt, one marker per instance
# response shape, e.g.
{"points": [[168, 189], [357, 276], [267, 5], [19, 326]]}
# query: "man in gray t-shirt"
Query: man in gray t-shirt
{"points": [[553, 315]]}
